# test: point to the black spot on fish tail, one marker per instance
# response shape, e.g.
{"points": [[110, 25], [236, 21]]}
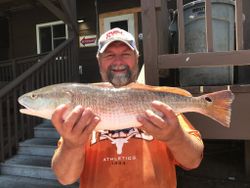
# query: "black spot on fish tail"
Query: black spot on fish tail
{"points": [[208, 99]]}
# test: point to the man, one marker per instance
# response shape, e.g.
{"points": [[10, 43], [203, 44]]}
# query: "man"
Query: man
{"points": [[144, 157]]}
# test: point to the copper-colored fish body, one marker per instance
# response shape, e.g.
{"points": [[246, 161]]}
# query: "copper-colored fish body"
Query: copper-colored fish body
{"points": [[118, 108]]}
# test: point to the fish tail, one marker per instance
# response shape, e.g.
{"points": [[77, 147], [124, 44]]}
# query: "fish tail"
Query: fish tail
{"points": [[219, 106]]}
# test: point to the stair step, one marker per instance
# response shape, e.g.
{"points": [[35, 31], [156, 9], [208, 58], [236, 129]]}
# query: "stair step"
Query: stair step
{"points": [[31, 166], [8, 181], [46, 130], [40, 142], [38, 146], [28, 166]]}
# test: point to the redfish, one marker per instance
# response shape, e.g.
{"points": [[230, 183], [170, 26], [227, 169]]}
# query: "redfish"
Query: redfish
{"points": [[118, 108]]}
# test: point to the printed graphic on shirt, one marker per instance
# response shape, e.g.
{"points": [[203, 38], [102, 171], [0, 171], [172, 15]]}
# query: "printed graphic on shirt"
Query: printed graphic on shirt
{"points": [[119, 160], [120, 137]]}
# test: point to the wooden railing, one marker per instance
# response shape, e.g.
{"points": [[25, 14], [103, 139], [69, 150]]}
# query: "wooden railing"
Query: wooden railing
{"points": [[210, 58], [10, 69], [58, 66], [155, 42]]}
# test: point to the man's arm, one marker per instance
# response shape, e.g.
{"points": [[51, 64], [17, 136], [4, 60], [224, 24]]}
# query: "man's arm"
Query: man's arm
{"points": [[186, 148], [68, 160]]}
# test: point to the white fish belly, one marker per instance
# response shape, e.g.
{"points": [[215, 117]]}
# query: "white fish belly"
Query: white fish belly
{"points": [[116, 122]]}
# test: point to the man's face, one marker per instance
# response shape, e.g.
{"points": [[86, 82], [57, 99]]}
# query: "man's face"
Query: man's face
{"points": [[118, 64]]}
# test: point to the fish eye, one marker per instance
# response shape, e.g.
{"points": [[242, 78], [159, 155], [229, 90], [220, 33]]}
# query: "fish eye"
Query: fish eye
{"points": [[33, 96], [208, 99]]}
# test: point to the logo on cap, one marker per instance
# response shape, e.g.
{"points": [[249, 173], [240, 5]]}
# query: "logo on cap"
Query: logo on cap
{"points": [[113, 33]]}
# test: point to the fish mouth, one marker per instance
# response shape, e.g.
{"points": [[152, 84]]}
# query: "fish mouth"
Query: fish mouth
{"points": [[36, 113], [26, 110]]}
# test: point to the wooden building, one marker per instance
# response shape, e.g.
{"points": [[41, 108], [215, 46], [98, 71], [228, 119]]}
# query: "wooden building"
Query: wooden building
{"points": [[31, 23], [56, 41]]}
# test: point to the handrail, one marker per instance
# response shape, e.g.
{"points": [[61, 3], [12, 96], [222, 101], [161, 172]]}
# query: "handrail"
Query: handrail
{"points": [[32, 69], [58, 66], [21, 58], [11, 68]]}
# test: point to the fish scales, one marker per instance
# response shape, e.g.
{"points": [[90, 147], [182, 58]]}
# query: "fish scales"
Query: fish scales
{"points": [[122, 105], [136, 101], [118, 108]]}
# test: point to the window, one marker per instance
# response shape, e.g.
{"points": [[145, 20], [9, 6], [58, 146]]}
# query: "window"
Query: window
{"points": [[125, 22], [126, 19], [50, 35]]}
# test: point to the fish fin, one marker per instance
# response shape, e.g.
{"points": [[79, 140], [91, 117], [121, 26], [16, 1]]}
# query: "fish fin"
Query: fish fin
{"points": [[165, 89], [220, 108]]}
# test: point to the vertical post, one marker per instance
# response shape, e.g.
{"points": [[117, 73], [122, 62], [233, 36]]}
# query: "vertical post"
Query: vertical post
{"points": [[9, 123], [150, 39], [1, 133], [181, 28], [14, 75], [69, 9], [47, 74], [71, 68], [22, 123], [162, 26], [162, 20], [15, 116], [247, 158], [239, 24], [66, 66], [209, 26], [75, 41]]}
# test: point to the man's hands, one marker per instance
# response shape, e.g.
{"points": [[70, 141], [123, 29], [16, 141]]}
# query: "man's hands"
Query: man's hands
{"points": [[76, 127], [163, 127], [186, 148]]}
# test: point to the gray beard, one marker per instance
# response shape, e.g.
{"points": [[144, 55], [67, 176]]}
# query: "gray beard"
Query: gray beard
{"points": [[119, 79]]}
